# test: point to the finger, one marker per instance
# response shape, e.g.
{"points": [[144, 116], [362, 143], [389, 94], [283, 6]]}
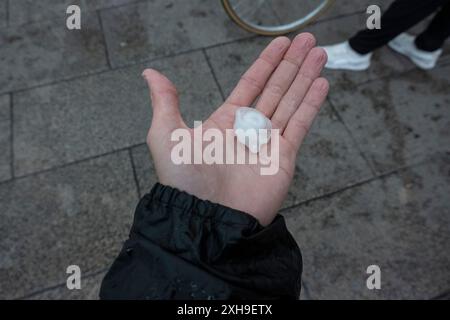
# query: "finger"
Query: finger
{"points": [[282, 78], [254, 79], [300, 123], [309, 71], [165, 104]]}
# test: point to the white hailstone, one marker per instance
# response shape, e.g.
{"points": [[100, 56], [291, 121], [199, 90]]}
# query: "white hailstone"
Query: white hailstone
{"points": [[252, 128]]}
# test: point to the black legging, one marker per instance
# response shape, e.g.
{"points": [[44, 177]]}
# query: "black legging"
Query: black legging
{"points": [[402, 15]]}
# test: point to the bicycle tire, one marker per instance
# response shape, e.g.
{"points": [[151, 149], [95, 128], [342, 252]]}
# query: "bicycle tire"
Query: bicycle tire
{"points": [[272, 30]]}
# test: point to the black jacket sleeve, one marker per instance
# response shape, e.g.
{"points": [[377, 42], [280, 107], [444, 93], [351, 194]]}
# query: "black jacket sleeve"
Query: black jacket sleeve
{"points": [[181, 247]]}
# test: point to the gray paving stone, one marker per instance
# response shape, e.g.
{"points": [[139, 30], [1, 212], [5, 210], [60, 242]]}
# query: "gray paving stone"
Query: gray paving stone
{"points": [[90, 288], [27, 11], [444, 60], [443, 296], [346, 7], [102, 4], [159, 28], [3, 13], [4, 108], [79, 214], [399, 121], [399, 223], [328, 159], [145, 169], [5, 139], [59, 124], [420, 27], [229, 61], [40, 53]]}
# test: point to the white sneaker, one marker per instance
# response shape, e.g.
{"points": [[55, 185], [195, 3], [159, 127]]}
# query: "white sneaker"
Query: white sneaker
{"points": [[404, 44], [342, 56]]}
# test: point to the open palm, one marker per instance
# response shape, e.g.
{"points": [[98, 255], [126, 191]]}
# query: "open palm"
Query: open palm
{"points": [[285, 79]]}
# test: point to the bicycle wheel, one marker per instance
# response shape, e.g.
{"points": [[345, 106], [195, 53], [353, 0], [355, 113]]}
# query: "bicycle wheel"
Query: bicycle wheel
{"points": [[274, 17]]}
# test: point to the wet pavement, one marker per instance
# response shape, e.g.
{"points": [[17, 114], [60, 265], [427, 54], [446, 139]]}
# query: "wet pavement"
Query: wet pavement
{"points": [[372, 182]]}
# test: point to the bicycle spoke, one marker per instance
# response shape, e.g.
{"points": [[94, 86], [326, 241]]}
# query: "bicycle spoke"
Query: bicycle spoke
{"points": [[251, 12]]}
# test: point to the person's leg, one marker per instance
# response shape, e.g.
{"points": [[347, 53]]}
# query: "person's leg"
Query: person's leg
{"points": [[437, 32], [400, 16]]}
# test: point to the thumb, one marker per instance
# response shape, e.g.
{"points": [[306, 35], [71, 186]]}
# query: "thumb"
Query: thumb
{"points": [[165, 104]]}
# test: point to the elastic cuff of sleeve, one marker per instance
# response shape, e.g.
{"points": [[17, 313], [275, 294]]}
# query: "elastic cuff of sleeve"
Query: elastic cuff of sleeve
{"points": [[202, 208]]}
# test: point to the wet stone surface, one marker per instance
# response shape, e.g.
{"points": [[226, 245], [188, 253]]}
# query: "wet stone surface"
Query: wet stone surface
{"points": [[106, 112], [133, 32], [76, 215], [399, 223], [5, 138], [45, 52], [399, 121], [74, 115]]}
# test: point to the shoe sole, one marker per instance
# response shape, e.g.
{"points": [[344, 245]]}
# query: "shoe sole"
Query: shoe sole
{"points": [[417, 62], [350, 68]]}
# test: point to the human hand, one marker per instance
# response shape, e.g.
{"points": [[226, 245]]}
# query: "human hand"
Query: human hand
{"points": [[286, 79]]}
